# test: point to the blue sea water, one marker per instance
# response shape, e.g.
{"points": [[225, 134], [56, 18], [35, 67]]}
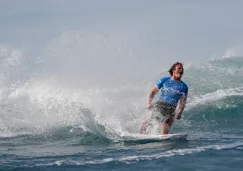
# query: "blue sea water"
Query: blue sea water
{"points": [[43, 128]]}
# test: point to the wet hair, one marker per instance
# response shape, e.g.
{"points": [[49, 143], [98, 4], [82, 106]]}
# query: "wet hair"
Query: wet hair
{"points": [[173, 67]]}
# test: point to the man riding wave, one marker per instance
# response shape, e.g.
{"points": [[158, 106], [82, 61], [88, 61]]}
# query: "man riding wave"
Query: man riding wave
{"points": [[173, 90]]}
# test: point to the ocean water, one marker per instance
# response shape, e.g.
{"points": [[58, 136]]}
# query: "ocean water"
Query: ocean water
{"points": [[47, 126], [74, 77]]}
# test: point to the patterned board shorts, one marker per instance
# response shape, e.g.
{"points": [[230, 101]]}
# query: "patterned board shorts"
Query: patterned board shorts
{"points": [[163, 112]]}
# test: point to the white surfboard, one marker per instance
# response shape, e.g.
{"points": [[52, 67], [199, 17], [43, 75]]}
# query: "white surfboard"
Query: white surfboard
{"points": [[153, 138]]}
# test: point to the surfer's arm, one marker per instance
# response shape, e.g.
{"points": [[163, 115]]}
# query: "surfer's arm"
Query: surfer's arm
{"points": [[151, 96], [155, 89], [182, 105]]}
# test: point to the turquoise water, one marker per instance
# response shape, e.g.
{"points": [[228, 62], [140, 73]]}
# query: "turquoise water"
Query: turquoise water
{"points": [[45, 127]]}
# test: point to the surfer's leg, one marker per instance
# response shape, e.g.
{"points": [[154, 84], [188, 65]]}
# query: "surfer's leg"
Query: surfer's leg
{"points": [[149, 126], [144, 127], [164, 128]]}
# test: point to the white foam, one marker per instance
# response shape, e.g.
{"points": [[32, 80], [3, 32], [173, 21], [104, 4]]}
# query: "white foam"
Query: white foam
{"points": [[214, 96], [229, 53], [39, 105]]}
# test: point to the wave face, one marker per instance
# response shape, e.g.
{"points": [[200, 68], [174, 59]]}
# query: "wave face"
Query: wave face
{"points": [[48, 107], [217, 93], [34, 101]]}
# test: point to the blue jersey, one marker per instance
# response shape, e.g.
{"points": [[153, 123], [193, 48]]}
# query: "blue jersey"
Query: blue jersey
{"points": [[171, 90]]}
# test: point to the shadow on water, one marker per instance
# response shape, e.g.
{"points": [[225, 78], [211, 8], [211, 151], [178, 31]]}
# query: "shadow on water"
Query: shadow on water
{"points": [[167, 144]]}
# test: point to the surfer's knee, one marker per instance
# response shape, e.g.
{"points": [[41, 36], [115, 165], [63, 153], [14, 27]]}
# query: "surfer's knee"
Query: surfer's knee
{"points": [[169, 122]]}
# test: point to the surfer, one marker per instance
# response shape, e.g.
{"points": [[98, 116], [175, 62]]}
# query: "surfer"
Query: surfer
{"points": [[173, 90]]}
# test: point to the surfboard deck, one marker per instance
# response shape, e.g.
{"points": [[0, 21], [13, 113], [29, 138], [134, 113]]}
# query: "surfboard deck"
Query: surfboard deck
{"points": [[152, 138]]}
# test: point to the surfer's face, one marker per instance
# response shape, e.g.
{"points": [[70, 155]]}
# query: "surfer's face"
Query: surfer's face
{"points": [[178, 71]]}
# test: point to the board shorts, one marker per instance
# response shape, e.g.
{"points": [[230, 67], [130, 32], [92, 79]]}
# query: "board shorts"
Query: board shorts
{"points": [[163, 112]]}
